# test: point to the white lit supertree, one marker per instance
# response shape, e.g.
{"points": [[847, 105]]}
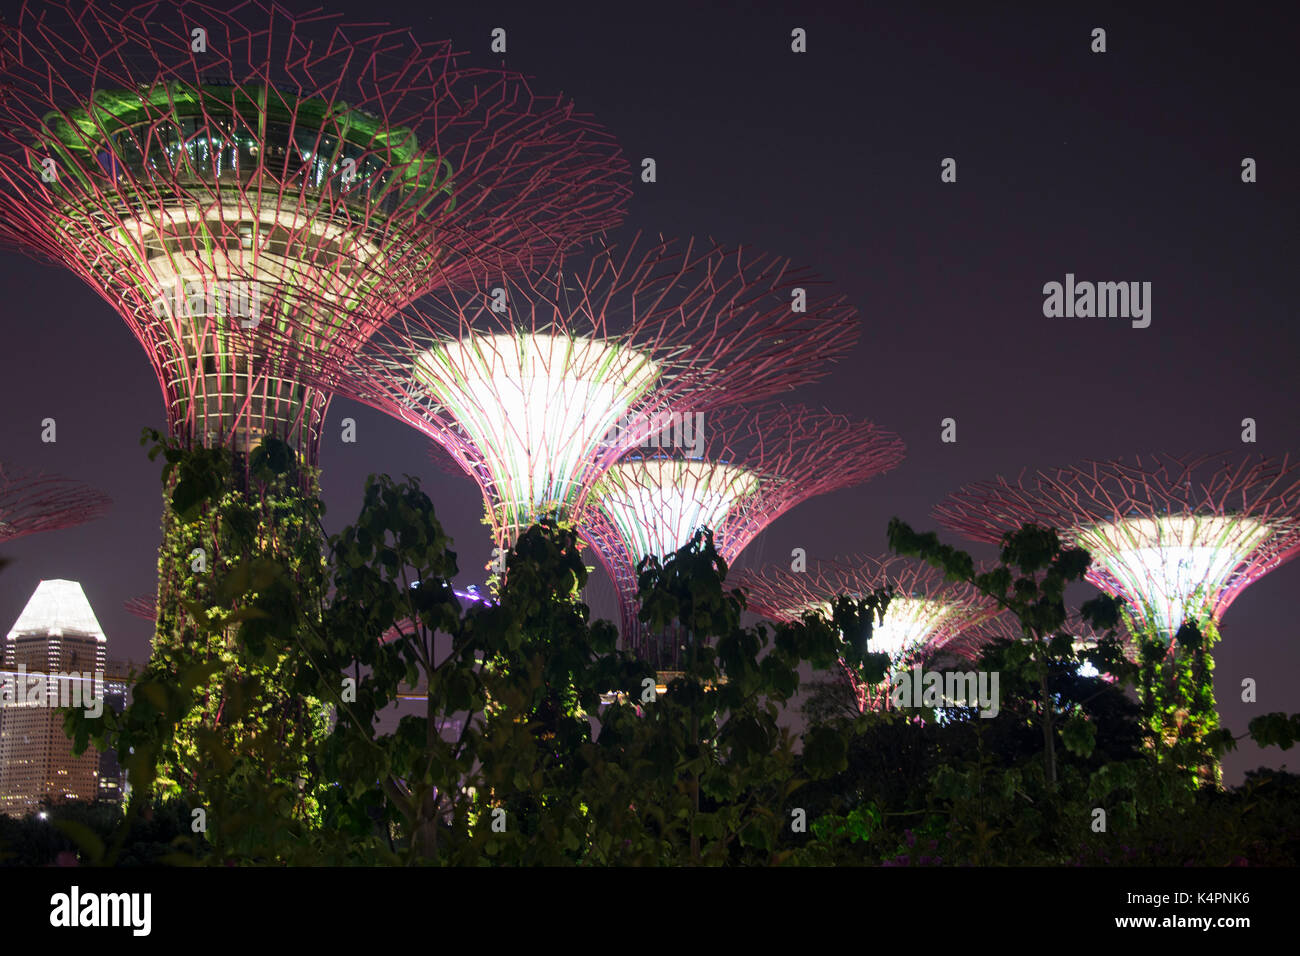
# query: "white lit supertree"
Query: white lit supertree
{"points": [[737, 474], [1178, 539], [925, 615]]}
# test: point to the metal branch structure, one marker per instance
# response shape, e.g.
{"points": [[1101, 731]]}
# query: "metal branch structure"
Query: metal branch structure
{"points": [[247, 187], [1176, 538], [30, 503], [536, 385], [735, 478], [926, 615], [143, 606]]}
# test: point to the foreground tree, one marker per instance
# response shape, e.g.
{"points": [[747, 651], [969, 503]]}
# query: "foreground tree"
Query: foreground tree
{"points": [[1029, 582]]}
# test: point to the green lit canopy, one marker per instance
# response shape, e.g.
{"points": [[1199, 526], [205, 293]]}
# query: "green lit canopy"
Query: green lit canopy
{"points": [[261, 109]]}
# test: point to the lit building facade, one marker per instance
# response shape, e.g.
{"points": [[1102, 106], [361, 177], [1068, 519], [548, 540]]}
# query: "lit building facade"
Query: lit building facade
{"points": [[54, 657]]}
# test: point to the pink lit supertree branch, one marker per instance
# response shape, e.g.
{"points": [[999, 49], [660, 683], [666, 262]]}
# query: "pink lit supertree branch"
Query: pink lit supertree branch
{"points": [[536, 384], [248, 188], [143, 606], [30, 503], [735, 473], [1176, 538], [927, 613]]}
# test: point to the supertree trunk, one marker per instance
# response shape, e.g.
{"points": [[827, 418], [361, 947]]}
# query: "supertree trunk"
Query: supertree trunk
{"points": [[254, 706]]}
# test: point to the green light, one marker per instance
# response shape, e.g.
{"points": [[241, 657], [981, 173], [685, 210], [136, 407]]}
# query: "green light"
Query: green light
{"points": [[252, 116]]}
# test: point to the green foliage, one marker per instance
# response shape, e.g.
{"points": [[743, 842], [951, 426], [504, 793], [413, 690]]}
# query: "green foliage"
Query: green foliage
{"points": [[1029, 582], [832, 701], [538, 742], [1275, 730], [1176, 689], [222, 715]]}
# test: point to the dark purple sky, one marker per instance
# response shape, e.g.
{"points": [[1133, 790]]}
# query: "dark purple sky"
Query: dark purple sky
{"points": [[1115, 166]]}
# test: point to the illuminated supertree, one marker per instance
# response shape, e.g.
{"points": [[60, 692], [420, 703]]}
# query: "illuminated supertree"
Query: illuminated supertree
{"points": [[1176, 539], [734, 473], [534, 386], [30, 503], [242, 186], [251, 191], [926, 614]]}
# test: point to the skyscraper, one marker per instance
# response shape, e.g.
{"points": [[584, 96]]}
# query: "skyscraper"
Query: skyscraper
{"points": [[117, 695], [54, 657]]}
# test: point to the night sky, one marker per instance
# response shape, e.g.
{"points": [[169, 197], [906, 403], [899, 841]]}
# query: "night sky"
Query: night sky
{"points": [[1122, 166]]}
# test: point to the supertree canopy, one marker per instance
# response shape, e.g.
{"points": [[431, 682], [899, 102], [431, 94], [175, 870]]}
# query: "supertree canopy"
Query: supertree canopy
{"points": [[735, 474], [925, 615], [535, 385], [244, 186], [32, 502], [1177, 539]]}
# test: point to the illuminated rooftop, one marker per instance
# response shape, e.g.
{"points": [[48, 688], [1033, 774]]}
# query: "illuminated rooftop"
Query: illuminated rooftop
{"points": [[57, 607]]}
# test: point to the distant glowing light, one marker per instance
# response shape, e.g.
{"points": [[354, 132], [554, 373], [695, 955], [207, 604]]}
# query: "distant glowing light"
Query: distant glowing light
{"points": [[909, 624], [657, 504], [536, 407], [1168, 564], [470, 593]]}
